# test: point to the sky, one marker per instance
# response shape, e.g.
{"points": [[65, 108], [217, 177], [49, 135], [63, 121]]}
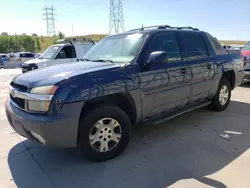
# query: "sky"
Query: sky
{"points": [[224, 19]]}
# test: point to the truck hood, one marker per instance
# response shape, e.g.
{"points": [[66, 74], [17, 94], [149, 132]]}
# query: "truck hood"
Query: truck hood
{"points": [[245, 53], [54, 74], [36, 61]]}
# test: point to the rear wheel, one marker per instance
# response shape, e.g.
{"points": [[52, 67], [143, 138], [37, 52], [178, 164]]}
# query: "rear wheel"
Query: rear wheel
{"points": [[222, 98], [104, 133]]}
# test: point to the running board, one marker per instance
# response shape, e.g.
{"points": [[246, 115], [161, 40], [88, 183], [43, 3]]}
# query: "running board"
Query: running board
{"points": [[176, 113]]}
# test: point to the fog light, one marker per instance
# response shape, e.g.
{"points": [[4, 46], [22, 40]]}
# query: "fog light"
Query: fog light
{"points": [[38, 106], [38, 137]]}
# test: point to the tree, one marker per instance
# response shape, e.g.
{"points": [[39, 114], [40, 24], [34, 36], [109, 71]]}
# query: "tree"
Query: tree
{"points": [[34, 35], [28, 43], [4, 33], [38, 46], [61, 35]]}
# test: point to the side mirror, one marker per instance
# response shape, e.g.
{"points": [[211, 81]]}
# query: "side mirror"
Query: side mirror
{"points": [[158, 57]]}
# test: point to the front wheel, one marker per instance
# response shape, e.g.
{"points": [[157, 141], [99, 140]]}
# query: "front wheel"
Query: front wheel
{"points": [[222, 98], [104, 133]]}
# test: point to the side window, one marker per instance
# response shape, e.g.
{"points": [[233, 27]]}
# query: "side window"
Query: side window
{"points": [[168, 43], [67, 52], [219, 49], [194, 46], [27, 55]]}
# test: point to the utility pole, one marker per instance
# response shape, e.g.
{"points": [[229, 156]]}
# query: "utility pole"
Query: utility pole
{"points": [[72, 30], [50, 20], [116, 19]]}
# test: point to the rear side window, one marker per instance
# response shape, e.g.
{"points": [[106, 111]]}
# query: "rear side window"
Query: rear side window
{"points": [[168, 43], [194, 46], [219, 49], [26, 55], [247, 47], [82, 49]]}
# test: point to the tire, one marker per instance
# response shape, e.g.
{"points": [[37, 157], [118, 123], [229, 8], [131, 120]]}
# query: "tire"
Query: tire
{"points": [[87, 129], [217, 104]]}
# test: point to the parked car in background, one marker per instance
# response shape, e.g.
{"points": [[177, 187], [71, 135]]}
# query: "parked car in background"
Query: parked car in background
{"points": [[10, 55], [3, 59], [23, 56], [147, 75], [227, 47], [245, 53], [65, 51]]}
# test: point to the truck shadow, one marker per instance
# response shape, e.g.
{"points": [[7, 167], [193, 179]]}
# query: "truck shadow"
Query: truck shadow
{"points": [[158, 156], [246, 84]]}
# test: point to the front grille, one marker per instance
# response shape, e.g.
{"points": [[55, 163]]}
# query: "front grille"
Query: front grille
{"points": [[19, 102], [19, 87]]}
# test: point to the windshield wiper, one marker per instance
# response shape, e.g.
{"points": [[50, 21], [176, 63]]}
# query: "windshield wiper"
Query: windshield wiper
{"points": [[103, 60], [85, 59]]}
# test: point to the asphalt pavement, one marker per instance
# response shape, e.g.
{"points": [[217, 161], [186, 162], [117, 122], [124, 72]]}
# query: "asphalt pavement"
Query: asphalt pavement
{"points": [[198, 149]]}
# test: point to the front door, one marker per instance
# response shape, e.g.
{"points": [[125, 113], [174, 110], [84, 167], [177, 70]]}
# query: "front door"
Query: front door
{"points": [[164, 86], [66, 55]]}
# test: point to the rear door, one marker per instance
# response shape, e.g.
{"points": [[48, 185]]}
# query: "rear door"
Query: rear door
{"points": [[164, 86], [195, 54]]}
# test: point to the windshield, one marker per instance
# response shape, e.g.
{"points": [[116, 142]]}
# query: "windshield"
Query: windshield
{"points": [[247, 47], [3, 56], [49, 53], [117, 49]]}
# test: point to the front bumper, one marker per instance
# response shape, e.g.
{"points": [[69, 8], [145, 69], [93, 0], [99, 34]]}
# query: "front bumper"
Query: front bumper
{"points": [[28, 67], [58, 130]]}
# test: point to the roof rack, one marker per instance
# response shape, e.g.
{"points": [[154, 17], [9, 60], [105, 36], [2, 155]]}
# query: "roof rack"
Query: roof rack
{"points": [[163, 27], [75, 40]]}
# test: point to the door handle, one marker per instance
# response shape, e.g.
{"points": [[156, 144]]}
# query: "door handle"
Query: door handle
{"points": [[183, 70], [209, 66]]}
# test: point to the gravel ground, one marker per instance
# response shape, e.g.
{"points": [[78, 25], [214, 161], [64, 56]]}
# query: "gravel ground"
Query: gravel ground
{"points": [[188, 151]]}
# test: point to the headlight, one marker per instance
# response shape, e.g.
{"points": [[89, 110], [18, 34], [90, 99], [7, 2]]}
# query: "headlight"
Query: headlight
{"points": [[44, 90], [38, 106], [41, 105]]}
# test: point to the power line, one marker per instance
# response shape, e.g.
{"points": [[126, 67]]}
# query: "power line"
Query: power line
{"points": [[50, 20], [116, 19]]}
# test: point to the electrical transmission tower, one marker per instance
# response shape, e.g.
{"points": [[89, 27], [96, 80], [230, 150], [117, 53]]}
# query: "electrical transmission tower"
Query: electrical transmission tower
{"points": [[116, 20], [50, 20]]}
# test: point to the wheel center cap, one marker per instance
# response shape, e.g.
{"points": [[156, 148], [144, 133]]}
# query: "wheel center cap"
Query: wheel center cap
{"points": [[105, 132]]}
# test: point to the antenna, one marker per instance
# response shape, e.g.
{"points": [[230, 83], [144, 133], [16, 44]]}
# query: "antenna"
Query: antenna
{"points": [[116, 19], [50, 20]]}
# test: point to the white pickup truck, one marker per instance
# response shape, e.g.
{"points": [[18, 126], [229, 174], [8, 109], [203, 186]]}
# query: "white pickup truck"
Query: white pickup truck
{"points": [[64, 51]]}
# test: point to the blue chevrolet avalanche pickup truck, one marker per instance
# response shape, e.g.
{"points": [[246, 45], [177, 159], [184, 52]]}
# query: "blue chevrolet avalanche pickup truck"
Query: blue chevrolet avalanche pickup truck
{"points": [[146, 75]]}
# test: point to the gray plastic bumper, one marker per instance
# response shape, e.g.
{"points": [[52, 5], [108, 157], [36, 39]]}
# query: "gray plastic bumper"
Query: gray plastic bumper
{"points": [[58, 130]]}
